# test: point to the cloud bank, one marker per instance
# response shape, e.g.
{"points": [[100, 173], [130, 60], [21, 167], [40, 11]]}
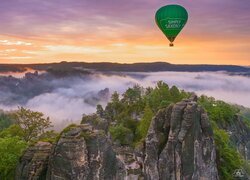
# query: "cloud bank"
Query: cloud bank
{"points": [[65, 100]]}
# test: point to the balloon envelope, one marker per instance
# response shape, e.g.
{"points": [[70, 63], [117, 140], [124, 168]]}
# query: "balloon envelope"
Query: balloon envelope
{"points": [[171, 19]]}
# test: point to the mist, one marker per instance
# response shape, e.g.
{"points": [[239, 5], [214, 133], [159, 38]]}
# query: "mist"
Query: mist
{"points": [[66, 99]]}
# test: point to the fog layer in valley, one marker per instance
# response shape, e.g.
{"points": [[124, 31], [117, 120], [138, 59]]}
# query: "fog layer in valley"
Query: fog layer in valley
{"points": [[65, 99]]}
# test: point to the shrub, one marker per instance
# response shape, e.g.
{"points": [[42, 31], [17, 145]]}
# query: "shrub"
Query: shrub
{"points": [[228, 159], [121, 134], [11, 148]]}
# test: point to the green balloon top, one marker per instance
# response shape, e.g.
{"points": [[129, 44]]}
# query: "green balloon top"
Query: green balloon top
{"points": [[171, 19]]}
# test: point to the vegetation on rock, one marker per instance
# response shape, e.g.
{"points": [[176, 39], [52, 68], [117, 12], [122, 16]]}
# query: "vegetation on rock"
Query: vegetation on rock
{"points": [[26, 128], [127, 118], [221, 114]]}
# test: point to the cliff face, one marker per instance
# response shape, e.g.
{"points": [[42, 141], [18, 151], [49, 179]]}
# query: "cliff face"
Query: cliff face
{"points": [[179, 145], [34, 163], [239, 135], [83, 153]]}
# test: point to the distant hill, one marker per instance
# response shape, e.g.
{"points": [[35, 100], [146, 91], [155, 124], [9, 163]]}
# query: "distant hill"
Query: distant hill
{"points": [[135, 67]]}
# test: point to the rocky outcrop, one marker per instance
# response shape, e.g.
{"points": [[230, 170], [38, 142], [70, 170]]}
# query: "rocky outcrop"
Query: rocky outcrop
{"points": [[180, 144], [131, 161], [69, 158], [34, 163], [239, 134], [83, 153]]}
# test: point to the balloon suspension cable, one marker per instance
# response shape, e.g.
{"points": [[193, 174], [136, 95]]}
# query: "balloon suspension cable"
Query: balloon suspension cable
{"points": [[171, 44]]}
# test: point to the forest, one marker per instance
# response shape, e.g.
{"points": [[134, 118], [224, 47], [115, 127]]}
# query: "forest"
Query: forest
{"points": [[129, 116]]}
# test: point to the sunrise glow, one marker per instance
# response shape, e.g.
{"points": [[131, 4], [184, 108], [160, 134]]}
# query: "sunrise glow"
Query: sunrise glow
{"points": [[123, 32]]}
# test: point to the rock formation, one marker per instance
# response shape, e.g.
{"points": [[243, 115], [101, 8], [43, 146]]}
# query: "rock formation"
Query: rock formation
{"points": [[179, 145], [83, 153], [239, 135], [34, 163]]}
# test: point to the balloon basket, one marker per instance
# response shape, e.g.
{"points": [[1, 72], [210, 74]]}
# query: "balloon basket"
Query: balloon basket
{"points": [[171, 45]]}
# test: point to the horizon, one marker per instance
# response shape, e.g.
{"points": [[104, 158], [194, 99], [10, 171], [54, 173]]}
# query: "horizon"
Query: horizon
{"points": [[121, 63], [34, 32]]}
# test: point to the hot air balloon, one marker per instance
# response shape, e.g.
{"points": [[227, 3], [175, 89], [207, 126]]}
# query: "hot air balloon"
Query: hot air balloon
{"points": [[171, 19]]}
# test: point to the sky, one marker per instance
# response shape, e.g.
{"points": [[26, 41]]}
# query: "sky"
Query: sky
{"points": [[123, 31]]}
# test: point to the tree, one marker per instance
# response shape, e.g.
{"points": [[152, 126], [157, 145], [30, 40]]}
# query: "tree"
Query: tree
{"points": [[113, 108], [148, 90], [132, 95], [145, 122], [33, 123], [163, 90], [99, 110], [159, 97], [11, 148], [115, 97], [175, 94]]}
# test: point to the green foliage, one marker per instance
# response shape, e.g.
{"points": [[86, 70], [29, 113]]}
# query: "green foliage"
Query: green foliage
{"points": [[121, 134], [29, 128], [68, 128], [16, 131], [145, 123], [130, 117], [162, 96], [12, 131], [11, 148], [131, 124], [138, 105], [132, 114], [218, 111], [132, 95], [49, 136], [133, 101], [228, 159], [33, 123], [96, 121], [246, 121], [175, 94], [99, 110], [158, 95], [220, 114], [245, 113], [93, 119], [5, 120], [113, 108], [115, 97]]}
